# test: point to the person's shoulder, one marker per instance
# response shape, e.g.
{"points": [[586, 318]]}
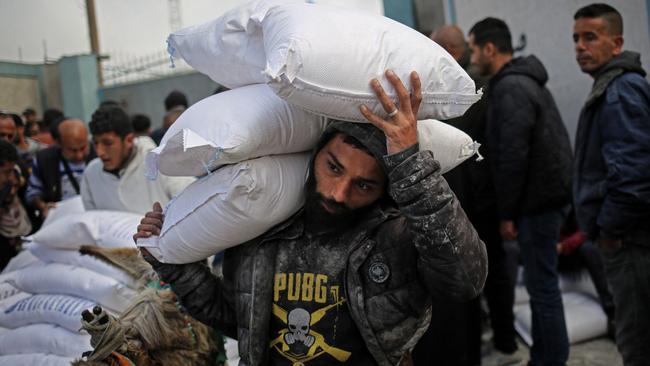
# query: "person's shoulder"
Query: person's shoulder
{"points": [[632, 80], [628, 86], [94, 166], [48, 151]]}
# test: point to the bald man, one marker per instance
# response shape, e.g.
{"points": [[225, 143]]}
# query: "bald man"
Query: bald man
{"points": [[7, 127], [57, 170], [451, 38]]}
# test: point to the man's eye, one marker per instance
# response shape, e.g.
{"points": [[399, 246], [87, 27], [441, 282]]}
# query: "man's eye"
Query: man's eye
{"points": [[363, 186], [333, 167]]}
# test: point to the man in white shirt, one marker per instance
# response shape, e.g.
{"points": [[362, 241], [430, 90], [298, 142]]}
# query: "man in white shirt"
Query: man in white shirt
{"points": [[116, 180]]}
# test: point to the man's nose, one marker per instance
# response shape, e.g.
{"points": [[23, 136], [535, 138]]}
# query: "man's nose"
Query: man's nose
{"points": [[340, 191]]}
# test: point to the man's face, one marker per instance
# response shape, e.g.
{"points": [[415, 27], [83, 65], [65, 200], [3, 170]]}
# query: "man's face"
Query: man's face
{"points": [[74, 147], [113, 150], [8, 181], [7, 129], [594, 45], [347, 179], [479, 57]]}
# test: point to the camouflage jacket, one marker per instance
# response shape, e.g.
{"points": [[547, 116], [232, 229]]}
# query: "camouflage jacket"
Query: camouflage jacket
{"points": [[428, 246]]}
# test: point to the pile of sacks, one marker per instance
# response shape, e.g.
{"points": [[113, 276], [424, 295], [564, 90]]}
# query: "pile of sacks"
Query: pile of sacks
{"points": [[44, 290], [80, 287], [583, 314], [290, 71]]}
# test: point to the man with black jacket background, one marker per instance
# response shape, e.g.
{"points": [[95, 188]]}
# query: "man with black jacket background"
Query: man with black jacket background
{"points": [[530, 160], [612, 171], [57, 170]]}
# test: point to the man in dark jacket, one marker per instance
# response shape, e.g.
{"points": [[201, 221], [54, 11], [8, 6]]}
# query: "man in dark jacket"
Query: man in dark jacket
{"points": [[57, 170], [612, 171], [530, 158], [351, 277], [455, 330]]}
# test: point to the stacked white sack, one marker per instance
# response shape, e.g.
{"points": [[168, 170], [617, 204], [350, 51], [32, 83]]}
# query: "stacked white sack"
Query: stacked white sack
{"points": [[108, 229], [45, 288], [230, 127], [251, 121], [229, 207], [208, 216], [584, 316], [35, 359], [322, 58]]}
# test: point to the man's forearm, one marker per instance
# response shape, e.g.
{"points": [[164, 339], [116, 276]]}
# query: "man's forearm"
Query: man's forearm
{"points": [[452, 257]]}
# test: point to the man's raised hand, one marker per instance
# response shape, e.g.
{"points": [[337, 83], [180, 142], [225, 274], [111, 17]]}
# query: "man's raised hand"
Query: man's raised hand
{"points": [[400, 125], [151, 223]]}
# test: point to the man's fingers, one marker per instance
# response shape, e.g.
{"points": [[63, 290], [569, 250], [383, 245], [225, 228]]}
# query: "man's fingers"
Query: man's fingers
{"points": [[155, 215], [373, 118], [400, 89], [157, 207], [151, 221], [151, 229], [383, 98], [416, 93]]}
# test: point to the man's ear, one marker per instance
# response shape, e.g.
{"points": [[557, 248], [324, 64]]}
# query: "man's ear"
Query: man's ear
{"points": [[489, 49], [618, 45], [129, 138]]}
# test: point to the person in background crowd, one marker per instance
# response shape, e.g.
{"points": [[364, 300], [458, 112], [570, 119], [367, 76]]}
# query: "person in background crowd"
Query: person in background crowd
{"points": [[141, 125], [7, 127], [175, 104], [456, 328], [611, 189], [30, 116], [530, 160], [116, 179], [380, 237], [142, 130], [14, 221], [26, 146], [57, 170], [44, 135]]}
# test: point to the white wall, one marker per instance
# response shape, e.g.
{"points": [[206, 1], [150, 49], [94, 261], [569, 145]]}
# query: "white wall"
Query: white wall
{"points": [[548, 25]]}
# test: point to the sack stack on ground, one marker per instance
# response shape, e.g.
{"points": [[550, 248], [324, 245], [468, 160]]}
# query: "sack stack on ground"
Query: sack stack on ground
{"points": [[585, 318], [290, 71], [46, 287]]}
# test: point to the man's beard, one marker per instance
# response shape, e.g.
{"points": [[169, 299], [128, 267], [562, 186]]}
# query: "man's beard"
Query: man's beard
{"points": [[320, 220]]}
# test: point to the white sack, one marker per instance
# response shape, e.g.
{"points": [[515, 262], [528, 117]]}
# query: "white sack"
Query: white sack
{"points": [[64, 208], [109, 229], [74, 258], [36, 359], [450, 146], [230, 127], [7, 290], [62, 310], [323, 58], [229, 207], [21, 260], [44, 338], [585, 318], [57, 278]]}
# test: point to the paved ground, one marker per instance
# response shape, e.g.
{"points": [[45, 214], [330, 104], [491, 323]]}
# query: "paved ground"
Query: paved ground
{"points": [[597, 352]]}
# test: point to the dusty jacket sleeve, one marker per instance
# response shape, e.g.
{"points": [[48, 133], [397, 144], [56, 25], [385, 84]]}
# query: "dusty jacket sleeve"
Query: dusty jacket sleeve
{"points": [[625, 126], [203, 294], [452, 259]]}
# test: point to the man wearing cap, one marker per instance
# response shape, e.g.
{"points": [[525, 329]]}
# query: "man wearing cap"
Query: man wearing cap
{"points": [[351, 277]]}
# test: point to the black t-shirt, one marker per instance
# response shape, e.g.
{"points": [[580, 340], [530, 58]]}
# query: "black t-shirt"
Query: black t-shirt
{"points": [[311, 323]]}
